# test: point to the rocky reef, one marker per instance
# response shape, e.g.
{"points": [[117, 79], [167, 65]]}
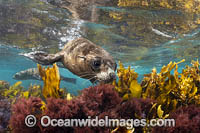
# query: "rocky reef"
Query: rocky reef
{"points": [[167, 94]]}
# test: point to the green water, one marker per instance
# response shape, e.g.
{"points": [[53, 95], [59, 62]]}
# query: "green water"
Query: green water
{"points": [[138, 37]]}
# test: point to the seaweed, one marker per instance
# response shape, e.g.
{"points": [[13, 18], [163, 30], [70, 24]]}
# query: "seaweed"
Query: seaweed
{"points": [[187, 121], [4, 85], [98, 99], [101, 102], [51, 79], [167, 94], [22, 108], [127, 86], [173, 90], [12, 92], [5, 105]]}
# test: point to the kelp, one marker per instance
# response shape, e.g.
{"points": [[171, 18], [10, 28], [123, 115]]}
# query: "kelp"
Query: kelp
{"points": [[173, 90], [33, 91], [12, 92], [4, 85], [169, 88], [51, 79], [51, 87], [17, 91], [127, 85], [158, 96]]}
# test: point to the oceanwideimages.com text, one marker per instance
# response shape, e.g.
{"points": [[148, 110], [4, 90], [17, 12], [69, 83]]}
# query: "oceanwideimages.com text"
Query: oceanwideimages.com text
{"points": [[46, 121]]}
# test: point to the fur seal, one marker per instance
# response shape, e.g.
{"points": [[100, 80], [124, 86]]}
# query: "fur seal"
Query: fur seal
{"points": [[33, 73], [82, 58]]}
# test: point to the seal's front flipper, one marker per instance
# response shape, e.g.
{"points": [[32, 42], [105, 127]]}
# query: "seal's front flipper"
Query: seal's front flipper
{"points": [[43, 57]]}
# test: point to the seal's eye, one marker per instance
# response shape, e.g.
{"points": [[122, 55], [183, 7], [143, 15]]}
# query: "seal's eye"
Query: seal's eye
{"points": [[96, 63]]}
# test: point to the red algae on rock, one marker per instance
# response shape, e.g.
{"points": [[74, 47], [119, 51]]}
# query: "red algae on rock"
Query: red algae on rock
{"points": [[5, 105], [94, 101], [187, 121], [21, 109], [118, 101], [99, 99]]}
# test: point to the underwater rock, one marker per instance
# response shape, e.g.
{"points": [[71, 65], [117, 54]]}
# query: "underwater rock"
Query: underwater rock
{"points": [[4, 85], [99, 99], [65, 109], [86, 9], [134, 108], [187, 121], [20, 110], [5, 113]]}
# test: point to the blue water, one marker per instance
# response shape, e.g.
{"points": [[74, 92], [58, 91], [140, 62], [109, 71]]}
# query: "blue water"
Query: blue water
{"points": [[11, 62]]}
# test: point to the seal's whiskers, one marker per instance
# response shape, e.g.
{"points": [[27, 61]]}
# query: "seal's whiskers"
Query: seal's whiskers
{"points": [[88, 80], [87, 74]]}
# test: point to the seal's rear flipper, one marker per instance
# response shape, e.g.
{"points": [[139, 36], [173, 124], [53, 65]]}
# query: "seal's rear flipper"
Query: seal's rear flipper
{"points": [[43, 57]]}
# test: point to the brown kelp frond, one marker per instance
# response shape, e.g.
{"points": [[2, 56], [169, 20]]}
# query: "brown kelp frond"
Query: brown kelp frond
{"points": [[127, 85], [51, 78], [12, 92], [33, 91], [173, 90], [17, 91]]}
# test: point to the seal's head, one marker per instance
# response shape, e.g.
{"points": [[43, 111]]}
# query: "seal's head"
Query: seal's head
{"points": [[89, 61], [103, 69]]}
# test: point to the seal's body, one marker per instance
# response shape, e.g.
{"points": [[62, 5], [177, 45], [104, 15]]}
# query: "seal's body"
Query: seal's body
{"points": [[83, 58], [33, 74]]}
